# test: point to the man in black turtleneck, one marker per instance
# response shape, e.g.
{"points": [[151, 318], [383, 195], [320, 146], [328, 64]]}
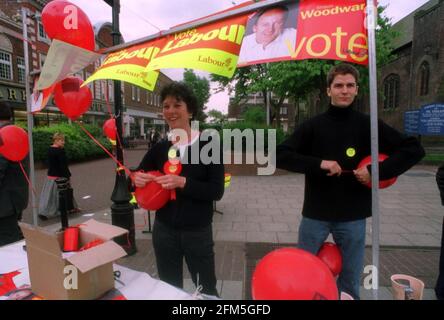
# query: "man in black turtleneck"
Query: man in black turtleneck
{"points": [[328, 149]]}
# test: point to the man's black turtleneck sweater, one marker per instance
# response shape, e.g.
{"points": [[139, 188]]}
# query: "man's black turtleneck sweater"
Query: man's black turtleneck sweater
{"points": [[328, 136]]}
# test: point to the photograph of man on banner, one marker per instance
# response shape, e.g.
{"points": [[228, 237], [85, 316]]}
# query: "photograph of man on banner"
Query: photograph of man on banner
{"points": [[270, 35]]}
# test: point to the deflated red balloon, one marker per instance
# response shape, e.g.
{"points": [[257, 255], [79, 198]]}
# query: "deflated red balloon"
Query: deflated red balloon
{"points": [[382, 183], [15, 145], [65, 21], [72, 100], [152, 196]]}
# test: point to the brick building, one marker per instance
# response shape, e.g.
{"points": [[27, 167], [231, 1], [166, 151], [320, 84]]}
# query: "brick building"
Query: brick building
{"points": [[141, 108], [12, 63]]}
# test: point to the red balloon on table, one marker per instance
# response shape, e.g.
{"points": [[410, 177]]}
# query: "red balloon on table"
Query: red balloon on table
{"points": [[331, 256], [15, 144], [292, 274], [152, 196], [110, 129], [66, 22], [382, 183], [72, 99]]}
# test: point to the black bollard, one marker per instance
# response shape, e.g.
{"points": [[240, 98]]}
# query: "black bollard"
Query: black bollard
{"points": [[122, 214], [62, 187]]}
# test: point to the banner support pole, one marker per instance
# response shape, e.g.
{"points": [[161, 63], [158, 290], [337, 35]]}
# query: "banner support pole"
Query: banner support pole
{"points": [[372, 15]]}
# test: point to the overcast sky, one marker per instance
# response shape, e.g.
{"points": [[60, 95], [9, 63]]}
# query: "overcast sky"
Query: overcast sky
{"points": [[141, 18]]}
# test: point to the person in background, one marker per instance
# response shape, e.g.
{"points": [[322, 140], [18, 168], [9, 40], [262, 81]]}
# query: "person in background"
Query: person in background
{"points": [[328, 149], [183, 227], [439, 288], [57, 168], [13, 189], [153, 138]]}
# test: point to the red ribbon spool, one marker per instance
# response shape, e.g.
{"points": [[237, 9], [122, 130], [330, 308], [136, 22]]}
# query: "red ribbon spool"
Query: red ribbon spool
{"points": [[71, 239]]}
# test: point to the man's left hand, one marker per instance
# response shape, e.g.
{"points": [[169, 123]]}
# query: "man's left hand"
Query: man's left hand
{"points": [[362, 175]]}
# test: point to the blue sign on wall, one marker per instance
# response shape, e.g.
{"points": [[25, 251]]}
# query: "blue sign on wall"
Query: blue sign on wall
{"points": [[431, 120], [411, 122]]}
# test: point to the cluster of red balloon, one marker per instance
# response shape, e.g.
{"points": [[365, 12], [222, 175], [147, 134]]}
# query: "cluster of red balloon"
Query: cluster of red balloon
{"points": [[382, 183], [66, 22], [293, 274], [14, 143]]}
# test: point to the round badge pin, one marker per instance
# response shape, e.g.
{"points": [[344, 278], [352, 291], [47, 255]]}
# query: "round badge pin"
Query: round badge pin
{"points": [[351, 152], [172, 153]]}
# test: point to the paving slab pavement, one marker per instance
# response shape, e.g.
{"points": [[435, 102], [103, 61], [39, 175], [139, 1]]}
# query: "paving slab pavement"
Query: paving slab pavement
{"points": [[265, 210]]}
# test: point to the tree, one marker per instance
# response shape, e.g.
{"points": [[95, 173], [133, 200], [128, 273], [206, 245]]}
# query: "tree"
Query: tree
{"points": [[217, 117], [255, 115], [201, 89]]}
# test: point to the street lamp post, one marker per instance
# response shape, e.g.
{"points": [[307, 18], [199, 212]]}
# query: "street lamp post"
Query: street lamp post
{"points": [[122, 212]]}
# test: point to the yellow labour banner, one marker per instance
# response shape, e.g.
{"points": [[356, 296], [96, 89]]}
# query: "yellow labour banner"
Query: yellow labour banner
{"points": [[213, 47], [129, 65]]}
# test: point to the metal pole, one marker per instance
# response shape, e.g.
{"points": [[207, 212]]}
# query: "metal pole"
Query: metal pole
{"points": [[371, 27], [29, 116], [122, 212], [268, 101]]}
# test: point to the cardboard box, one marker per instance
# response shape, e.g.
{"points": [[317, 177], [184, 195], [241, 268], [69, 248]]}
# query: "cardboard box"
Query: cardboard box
{"points": [[47, 263]]}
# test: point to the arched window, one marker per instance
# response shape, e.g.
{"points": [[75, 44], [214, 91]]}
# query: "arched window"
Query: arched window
{"points": [[424, 77], [391, 91], [5, 58]]}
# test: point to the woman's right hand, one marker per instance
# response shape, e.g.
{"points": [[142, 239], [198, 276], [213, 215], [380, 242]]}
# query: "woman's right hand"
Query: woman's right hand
{"points": [[140, 178]]}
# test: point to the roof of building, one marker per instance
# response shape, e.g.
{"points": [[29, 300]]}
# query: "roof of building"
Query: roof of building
{"points": [[404, 27]]}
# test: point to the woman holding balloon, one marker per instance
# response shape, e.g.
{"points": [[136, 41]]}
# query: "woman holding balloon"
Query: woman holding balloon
{"points": [[13, 184], [182, 228]]}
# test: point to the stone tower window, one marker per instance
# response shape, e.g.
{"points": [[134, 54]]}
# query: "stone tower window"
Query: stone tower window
{"points": [[391, 91], [424, 77]]}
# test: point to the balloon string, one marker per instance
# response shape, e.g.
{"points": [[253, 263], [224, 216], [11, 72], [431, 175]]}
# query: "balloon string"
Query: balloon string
{"points": [[127, 171], [27, 178]]}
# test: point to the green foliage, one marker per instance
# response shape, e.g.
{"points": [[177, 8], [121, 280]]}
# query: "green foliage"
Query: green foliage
{"points": [[255, 115], [217, 116], [201, 88], [78, 145], [243, 125]]}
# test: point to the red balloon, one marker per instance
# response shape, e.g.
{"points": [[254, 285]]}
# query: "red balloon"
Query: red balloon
{"points": [[292, 274], [382, 183], [110, 129], [65, 21], [152, 196], [15, 145], [331, 256], [72, 99]]}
